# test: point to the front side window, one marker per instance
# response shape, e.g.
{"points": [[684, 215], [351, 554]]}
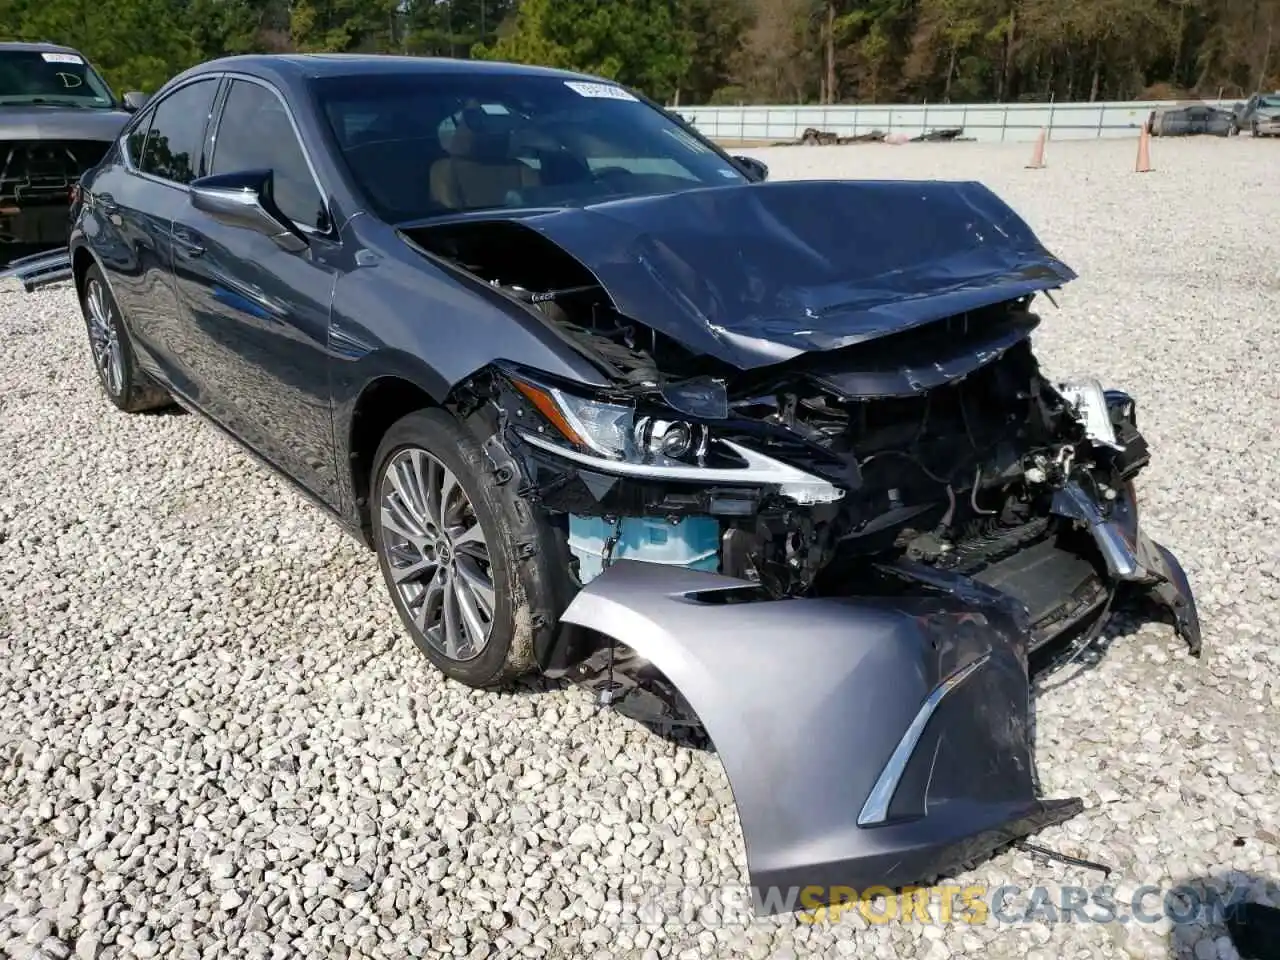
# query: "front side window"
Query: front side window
{"points": [[177, 130], [56, 78], [422, 145], [255, 134]]}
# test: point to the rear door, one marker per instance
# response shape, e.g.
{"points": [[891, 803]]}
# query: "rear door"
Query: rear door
{"points": [[259, 314], [131, 207]]}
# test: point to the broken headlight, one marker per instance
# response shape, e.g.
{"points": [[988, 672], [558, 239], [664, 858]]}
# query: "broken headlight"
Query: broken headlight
{"points": [[612, 437]]}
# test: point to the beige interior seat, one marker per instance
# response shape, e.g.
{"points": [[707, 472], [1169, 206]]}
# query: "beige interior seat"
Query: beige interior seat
{"points": [[479, 170]]}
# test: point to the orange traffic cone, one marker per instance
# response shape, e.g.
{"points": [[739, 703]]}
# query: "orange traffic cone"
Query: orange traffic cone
{"points": [[1143, 164], [1037, 155]]}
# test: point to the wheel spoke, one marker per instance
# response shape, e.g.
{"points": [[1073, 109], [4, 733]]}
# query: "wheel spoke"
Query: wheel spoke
{"points": [[432, 596], [470, 538], [414, 570], [115, 360], [452, 626], [477, 587], [448, 487], [408, 483], [391, 520], [421, 468], [431, 483]]}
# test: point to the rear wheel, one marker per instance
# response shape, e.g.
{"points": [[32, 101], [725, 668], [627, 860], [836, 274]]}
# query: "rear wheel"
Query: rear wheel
{"points": [[124, 384], [468, 564]]}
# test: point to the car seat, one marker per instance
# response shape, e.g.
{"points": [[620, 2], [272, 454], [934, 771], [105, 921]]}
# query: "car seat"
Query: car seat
{"points": [[479, 170]]}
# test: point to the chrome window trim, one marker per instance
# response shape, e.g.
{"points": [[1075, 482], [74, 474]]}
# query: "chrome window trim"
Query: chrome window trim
{"points": [[210, 139], [150, 110], [297, 135]]}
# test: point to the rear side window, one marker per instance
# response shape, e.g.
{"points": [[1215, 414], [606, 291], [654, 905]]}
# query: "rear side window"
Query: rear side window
{"points": [[137, 139], [254, 133], [177, 130]]}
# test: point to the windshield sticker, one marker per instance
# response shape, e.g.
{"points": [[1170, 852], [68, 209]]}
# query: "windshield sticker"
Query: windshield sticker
{"points": [[61, 58], [729, 174], [70, 80], [601, 91]]}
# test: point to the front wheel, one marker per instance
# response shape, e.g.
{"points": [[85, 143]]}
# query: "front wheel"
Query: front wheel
{"points": [[469, 565], [124, 384]]}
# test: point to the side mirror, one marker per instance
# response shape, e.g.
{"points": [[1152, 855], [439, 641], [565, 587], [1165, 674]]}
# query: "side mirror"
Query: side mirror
{"points": [[244, 200], [756, 171], [135, 100]]}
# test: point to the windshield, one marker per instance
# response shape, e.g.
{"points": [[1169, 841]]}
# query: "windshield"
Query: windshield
{"points": [[422, 145], [57, 77], [1269, 103]]}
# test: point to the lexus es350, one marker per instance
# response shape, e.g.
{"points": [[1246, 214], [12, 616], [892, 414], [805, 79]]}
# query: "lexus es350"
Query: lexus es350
{"points": [[774, 458]]}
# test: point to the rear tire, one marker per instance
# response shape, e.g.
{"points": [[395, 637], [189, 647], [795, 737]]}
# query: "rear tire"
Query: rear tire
{"points": [[125, 385], [472, 569]]}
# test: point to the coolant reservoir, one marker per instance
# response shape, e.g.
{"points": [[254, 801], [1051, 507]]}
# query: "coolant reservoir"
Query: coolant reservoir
{"points": [[693, 542]]}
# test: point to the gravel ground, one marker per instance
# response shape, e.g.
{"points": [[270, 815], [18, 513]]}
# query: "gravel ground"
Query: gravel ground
{"points": [[214, 741]]}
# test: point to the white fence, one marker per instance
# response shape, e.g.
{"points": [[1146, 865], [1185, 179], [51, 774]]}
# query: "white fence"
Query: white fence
{"points": [[981, 121]]}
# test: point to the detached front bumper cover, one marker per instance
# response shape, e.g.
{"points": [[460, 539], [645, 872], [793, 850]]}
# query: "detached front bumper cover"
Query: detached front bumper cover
{"points": [[869, 741]]}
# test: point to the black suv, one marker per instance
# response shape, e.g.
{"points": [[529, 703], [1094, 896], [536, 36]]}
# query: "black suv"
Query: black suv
{"points": [[57, 118]]}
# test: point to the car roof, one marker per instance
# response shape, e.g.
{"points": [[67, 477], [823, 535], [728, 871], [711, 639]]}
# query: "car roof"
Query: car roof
{"points": [[304, 66], [13, 46]]}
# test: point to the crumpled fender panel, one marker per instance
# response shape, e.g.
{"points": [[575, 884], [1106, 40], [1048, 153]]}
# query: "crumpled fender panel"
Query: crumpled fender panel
{"points": [[1133, 557], [867, 741]]}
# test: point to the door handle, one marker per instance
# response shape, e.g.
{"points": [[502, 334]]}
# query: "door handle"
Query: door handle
{"points": [[188, 243]]}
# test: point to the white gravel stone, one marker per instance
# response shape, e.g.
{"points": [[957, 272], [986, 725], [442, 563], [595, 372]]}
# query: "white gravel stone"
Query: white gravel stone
{"points": [[214, 739]]}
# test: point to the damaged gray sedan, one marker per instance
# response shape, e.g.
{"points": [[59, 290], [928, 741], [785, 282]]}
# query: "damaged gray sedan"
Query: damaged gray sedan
{"points": [[773, 459]]}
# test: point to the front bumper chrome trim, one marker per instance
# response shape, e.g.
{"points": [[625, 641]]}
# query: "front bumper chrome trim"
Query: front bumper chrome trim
{"points": [[876, 808]]}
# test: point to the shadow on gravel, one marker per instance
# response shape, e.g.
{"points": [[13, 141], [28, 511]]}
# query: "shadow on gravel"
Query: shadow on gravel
{"points": [[1231, 913]]}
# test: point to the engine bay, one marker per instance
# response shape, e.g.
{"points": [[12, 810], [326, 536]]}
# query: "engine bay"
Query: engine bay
{"points": [[948, 440]]}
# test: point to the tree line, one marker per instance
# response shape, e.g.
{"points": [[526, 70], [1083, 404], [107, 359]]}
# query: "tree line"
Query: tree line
{"points": [[720, 51]]}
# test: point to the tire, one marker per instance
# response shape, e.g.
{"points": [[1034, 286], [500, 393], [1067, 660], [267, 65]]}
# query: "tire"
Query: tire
{"points": [[125, 385], [501, 593]]}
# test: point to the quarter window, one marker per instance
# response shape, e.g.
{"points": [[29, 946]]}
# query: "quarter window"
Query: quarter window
{"points": [[137, 138], [255, 134], [177, 130]]}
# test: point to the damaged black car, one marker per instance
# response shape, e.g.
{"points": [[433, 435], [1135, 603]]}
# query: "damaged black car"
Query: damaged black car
{"points": [[772, 458], [57, 119]]}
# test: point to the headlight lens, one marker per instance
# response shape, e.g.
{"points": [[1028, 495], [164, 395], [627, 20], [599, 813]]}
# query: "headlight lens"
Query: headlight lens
{"points": [[609, 437]]}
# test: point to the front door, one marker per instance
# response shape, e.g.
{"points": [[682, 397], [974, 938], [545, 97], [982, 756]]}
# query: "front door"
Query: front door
{"points": [[130, 210], [258, 314]]}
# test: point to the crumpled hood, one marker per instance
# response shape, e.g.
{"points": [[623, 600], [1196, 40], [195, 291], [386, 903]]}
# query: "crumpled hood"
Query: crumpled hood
{"points": [[59, 123], [760, 273]]}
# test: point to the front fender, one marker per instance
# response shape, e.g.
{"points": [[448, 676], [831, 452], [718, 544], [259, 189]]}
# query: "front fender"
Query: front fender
{"points": [[873, 741]]}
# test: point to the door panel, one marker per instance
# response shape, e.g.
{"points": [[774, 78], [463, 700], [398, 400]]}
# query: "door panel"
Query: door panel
{"points": [[135, 205], [258, 315]]}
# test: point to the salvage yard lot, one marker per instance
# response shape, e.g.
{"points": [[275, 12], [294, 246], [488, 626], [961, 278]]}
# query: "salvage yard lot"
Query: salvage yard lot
{"points": [[214, 739]]}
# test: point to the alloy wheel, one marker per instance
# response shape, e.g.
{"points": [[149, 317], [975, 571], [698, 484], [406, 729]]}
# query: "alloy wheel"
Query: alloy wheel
{"points": [[437, 553], [104, 339]]}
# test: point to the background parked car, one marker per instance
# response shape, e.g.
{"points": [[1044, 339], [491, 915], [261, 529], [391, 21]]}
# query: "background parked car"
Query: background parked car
{"points": [[1191, 119], [57, 118], [1260, 115]]}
